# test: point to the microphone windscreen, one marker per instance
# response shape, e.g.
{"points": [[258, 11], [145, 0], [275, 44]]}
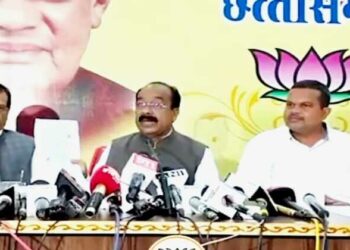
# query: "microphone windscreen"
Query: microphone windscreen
{"points": [[260, 193], [281, 194], [39, 182], [107, 176]]}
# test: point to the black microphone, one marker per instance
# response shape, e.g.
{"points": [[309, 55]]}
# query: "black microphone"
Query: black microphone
{"points": [[75, 206], [310, 199], [8, 203], [284, 198], [22, 207], [263, 199], [202, 208], [67, 188], [146, 208], [5, 202], [134, 187], [114, 201], [176, 198], [228, 201], [162, 179]]}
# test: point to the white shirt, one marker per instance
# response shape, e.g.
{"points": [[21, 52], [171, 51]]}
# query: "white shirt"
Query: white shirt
{"points": [[275, 159]]}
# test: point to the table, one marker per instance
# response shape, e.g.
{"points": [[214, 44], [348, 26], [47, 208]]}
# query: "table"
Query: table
{"points": [[89, 234]]}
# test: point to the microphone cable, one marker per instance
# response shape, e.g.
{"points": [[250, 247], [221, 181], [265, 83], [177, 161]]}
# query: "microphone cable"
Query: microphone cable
{"points": [[317, 233], [117, 229], [14, 236], [45, 234], [228, 237], [325, 235], [195, 226], [178, 226], [126, 228], [260, 238], [20, 216], [208, 231], [17, 229], [59, 242]]}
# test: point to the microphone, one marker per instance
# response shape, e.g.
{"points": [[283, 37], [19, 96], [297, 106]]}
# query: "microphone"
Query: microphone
{"points": [[145, 208], [114, 201], [5, 202], [213, 197], [22, 209], [310, 199], [13, 203], [263, 199], [176, 199], [162, 179], [202, 208], [75, 206], [67, 188], [284, 198], [38, 196], [42, 204], [229, 201], [106, 180], [134, 187], [139, 164], [9, 203]]}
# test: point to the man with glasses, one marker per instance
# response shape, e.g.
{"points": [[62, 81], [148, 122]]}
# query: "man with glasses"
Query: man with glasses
{"points": [[157, 107], [16, 150]]}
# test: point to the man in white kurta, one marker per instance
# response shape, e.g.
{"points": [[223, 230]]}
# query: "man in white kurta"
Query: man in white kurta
{"points": [[306, 154]]}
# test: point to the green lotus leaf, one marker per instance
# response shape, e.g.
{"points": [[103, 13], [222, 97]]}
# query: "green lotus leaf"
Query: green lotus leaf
{"points": [[340, 97], [281, 95]]}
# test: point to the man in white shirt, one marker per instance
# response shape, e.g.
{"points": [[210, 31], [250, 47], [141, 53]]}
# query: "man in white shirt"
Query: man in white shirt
{"points": [[306, 154]]}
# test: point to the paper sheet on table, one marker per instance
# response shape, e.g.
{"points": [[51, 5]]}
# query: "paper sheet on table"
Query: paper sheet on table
{"points": [[57, 142]]}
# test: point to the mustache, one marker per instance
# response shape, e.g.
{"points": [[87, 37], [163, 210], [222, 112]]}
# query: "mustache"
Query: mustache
{"points": [[147, 118], [295, 117]]}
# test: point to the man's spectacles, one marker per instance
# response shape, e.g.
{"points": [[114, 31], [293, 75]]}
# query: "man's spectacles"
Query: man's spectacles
{"points": [[152, 105]]}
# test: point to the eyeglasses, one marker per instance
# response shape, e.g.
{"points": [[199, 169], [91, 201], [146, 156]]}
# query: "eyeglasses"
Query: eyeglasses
{"points": [[152, 105]]}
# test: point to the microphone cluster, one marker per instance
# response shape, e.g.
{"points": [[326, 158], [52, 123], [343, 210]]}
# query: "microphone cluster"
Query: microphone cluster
{"points": [[150, 193], [64, 200], [152, 188], [221, 201]]}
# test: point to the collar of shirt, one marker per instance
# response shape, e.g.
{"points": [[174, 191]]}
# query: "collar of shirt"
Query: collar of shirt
{"points": [[1, 131], [321, 141], [155, 143]]}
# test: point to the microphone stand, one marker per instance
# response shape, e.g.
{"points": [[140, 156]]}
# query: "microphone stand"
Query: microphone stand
{"points": [[163, 179]]}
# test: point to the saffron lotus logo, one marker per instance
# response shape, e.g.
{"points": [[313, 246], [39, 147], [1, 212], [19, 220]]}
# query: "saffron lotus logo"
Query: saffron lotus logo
{"points": [[279, 74]]}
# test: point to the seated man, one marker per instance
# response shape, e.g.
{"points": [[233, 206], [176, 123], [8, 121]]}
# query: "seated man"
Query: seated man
{"points": [[157, 107], [306, 154], [16, 150]]}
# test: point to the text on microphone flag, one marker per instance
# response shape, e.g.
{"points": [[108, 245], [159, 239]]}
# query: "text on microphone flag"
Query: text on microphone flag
{"points": [[145, 162]]}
